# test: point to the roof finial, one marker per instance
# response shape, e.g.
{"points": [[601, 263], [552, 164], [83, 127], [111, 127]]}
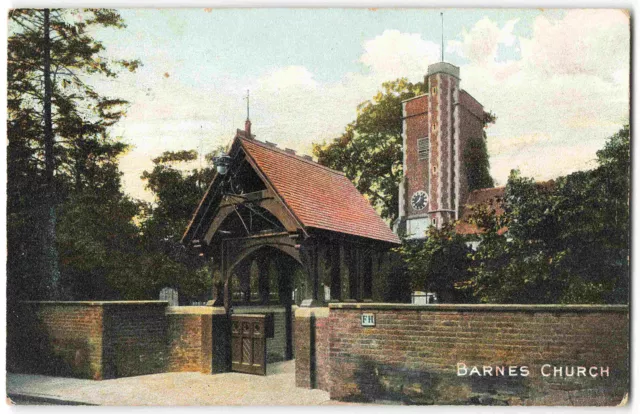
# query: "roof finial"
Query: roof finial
{"points": [[247, 104], [442, 36], [247, 123]]}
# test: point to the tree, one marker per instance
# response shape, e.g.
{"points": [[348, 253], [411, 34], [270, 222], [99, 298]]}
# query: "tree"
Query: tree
{"points": [[99, 246], [177, 191], [438, 264], [518, 265], [52, 113], [369, 152], [566, 243], [596, 225]]}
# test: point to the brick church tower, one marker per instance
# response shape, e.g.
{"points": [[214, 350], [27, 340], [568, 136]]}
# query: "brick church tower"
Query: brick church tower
{"points": [[435, 130]]}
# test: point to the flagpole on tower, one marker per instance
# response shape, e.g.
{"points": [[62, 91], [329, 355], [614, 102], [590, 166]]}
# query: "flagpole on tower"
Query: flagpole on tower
{"points": [[442, 36]]}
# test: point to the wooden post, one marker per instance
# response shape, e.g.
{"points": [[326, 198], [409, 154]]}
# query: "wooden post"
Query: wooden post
{"points": [[226, 275], [315, 276], [336, 289], [309, 257], [264, 262]]}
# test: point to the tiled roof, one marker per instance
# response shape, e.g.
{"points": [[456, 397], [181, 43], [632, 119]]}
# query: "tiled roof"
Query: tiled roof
{"points": [[493, 196], [318, 196]]}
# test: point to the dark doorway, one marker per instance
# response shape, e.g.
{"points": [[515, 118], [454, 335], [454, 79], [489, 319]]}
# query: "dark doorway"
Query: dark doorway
{"points": [[266, 282]]}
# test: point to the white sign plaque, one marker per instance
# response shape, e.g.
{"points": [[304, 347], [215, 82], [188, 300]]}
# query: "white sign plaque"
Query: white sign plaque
{"points": [[368, 319]]}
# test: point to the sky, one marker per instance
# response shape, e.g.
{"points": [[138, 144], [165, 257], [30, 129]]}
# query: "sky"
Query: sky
{"points": [[557, 80]]}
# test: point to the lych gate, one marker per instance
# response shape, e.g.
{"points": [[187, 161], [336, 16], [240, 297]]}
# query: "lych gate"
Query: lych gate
{"points": [[282, 230]]}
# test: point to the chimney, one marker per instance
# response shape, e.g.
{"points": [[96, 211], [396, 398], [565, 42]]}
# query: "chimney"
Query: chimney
{"points": [[290, 151], [247, 128]]}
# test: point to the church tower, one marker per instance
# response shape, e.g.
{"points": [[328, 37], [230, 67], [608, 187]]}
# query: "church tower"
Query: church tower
{"points": [[435, 130]]}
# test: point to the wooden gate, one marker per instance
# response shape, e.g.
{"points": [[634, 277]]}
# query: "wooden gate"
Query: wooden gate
{"points": [[248, 344]]}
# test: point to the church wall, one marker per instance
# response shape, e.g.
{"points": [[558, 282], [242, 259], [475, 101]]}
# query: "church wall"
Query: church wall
{"points": [[445, 150], [434, 143], [471, 104], [416, 172]]}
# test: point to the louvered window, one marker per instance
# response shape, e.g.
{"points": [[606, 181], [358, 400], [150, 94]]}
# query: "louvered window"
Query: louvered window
{"points": [[423, 148]]}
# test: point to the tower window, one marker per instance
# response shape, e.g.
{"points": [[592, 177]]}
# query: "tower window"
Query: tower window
{"points": [[434, 90], [434, 127], [434, 168], [423, 148], [434, 221]]}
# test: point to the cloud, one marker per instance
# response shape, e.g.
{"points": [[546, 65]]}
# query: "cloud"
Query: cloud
{"points": [[294, 110], [394, 54], [288, 77], [591, 42], [480, 44], [559, 93], [558, 103]]}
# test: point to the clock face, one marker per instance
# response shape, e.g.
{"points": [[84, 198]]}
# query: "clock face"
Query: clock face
{"points": [[419, 200]]}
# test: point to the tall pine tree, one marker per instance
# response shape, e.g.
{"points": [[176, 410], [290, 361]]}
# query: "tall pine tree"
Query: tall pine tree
{"points": [[57, 124]]}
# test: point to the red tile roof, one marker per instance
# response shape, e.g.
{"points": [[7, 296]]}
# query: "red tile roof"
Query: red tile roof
{"points": [[318, 196], [492, 196]]}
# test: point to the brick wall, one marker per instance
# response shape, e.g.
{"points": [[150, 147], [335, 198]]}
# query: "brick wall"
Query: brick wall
{"points": [[57, 339], [100, 340], [192, 334], [90, 339], [134, 338], [411, 355], [311, 341], [185, 342], [417, 171]]}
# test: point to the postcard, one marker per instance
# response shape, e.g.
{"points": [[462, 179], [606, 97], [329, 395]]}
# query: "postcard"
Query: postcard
{"points": [[318, 206]]}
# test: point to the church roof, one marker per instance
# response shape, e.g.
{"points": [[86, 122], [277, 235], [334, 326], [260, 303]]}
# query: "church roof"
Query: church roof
{"points": [[491, 196], [318, 197], [488, 196]]}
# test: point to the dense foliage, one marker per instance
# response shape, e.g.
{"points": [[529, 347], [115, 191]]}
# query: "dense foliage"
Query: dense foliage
{"points": [[72, 233], [565, 241], [476, 159], [57, 124], [178, 191], [369, 151], [439, 264]]}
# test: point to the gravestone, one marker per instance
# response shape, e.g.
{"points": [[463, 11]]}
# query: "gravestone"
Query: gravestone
{"points": [[327, 293], [170, 295], [419, 298]]}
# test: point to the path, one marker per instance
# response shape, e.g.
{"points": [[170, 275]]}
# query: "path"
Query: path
{"points": [[176, 388]]}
